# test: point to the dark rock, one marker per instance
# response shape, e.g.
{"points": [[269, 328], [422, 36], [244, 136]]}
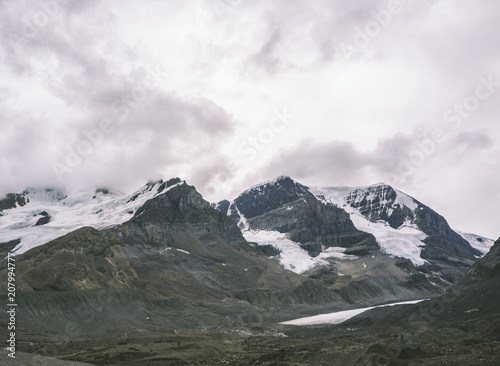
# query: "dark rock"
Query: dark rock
{"points": [[267, 197], [12, 200], [222, 206], [289, 207], [375, 202], [43, 220], [267, 250], [175, 246]]}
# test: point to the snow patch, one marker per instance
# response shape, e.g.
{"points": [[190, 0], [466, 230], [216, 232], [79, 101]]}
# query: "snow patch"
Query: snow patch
{"points": [[340, 316], [405, 242], [292, 256], [404, 200], [477, 242], [242, 223]]}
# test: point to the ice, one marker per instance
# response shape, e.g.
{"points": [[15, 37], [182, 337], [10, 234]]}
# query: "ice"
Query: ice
{"points": [[70, 212], [405, 242], [242, 223], [292, 256], [340, 316], [477, 241], [404, 200]]}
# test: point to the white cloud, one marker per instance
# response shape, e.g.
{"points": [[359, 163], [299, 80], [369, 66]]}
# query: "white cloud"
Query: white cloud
{"points": [[226, 70]]}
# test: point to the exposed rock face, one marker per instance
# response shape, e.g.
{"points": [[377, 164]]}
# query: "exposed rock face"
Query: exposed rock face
{"points": [[379, 203], [45, 219], [176, 246], [11, 200], [471, 304], [446, 251], [222, 206], [315, 226], [442, 244], [289, 207], [268, 197]]}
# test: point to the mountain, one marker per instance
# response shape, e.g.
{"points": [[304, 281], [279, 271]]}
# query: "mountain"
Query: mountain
{"points": [[407, 228], [102, 274], [474, 298], [175, 260], [358, 242], [460, 327], [477, 241], [383, 204], [335, 226], [36, 216], [289, 207]]}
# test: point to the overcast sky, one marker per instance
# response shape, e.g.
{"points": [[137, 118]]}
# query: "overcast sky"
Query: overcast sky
{"points": [[228, 93]]}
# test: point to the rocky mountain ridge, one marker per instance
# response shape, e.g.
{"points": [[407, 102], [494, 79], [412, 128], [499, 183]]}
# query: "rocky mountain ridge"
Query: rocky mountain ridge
{"points": [[163, 261], [358, 220]]}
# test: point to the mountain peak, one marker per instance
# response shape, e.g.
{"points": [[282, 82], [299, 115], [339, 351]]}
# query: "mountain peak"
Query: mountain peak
{"points": [[39, 215], [282, 179], [269, 195]]}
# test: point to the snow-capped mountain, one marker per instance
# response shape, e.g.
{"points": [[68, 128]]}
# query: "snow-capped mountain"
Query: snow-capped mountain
{"points": [[273, 213], [402, 225], [36, 216], [287, 215], [305, 247], [177, 263], [478, 242], [308, 225]]}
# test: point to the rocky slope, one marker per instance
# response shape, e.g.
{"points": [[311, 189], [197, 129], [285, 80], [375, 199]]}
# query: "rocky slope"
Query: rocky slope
{"points": [[463, 330], [162, 267], [319, 240], [177, 263], [289, 207], [393, 216], [318, 218], [366, 243]]}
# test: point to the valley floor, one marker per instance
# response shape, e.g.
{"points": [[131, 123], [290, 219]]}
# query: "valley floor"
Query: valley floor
{"points": [[385, 344]]}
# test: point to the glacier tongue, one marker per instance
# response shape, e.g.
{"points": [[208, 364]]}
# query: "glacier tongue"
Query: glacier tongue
{"points": [[292, 256], [405, 241]]}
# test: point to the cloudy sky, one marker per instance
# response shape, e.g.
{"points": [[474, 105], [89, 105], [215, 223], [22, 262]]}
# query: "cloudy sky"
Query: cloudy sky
{"points": [[228, 93]]}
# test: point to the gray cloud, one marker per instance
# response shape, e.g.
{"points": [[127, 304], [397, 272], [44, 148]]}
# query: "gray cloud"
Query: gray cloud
{"points": [[220, 76], [457, 165]]}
